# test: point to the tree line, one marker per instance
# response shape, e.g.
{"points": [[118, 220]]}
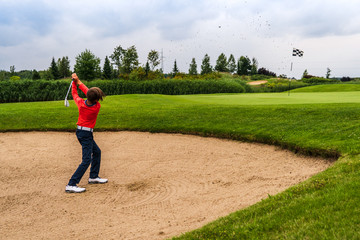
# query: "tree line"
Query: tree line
{"points": [[124, 63]]}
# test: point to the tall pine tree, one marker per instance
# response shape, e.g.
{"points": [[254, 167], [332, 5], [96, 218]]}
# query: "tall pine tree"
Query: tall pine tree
{"points": [[221, 63], [147, 68], [231, 65], [205, 65], [175, 69], [193, 67], [54, 70], [107, 70], [64, 67], [244, 66], [254, 66]]}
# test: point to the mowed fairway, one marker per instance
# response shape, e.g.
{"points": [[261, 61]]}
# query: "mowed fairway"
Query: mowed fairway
{"points": [[274, 98], [316, 123]]}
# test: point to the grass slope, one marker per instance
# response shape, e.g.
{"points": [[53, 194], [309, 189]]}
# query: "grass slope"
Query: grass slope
{"points": [[324, 207], [330, 88]]}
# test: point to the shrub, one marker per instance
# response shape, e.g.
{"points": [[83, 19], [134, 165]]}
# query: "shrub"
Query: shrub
{"points": [[345, 79], [264, 71], [14, 78], [43, 90], [259, 77], [138, 74], [319, 80]]}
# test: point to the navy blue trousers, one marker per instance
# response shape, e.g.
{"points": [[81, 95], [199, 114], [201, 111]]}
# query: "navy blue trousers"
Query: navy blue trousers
{"points": [[91, 154]]}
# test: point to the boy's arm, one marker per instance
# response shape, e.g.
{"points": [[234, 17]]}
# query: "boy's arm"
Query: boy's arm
{"points": [[75, 95], [83, 88]]}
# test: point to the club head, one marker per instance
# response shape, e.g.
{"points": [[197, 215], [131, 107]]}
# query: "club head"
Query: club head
{"points": [[67, 103]]}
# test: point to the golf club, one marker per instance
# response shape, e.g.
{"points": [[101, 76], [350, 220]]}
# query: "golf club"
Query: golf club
{"points": [[66, 101]]}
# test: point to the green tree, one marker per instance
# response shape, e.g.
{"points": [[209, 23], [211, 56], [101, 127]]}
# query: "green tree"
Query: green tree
{"points": [[35, 75], [254, 67], [231, 64], [12, 70], [305, 73], [125, 59], [64, 67], [221, 63], [117, 57], [130, 60], [153, 59], [147, 68], [138, 74], [175, 69], [24, 74], [54, 70], [205, 65], [193, 67], [107, 70], [243, 66], [3, 75], [328, 71], [87, 65]]}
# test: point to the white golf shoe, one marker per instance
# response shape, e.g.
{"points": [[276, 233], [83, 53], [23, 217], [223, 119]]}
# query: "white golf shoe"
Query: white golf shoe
{"points": [[74, 189], [97, 180]]}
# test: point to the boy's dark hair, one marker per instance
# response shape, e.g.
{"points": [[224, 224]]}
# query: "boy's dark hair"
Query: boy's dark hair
{"points": [[95, 94]]}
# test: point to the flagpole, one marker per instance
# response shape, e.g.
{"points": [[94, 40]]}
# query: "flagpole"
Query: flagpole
{"points": [[290, 79], [299, 53]]}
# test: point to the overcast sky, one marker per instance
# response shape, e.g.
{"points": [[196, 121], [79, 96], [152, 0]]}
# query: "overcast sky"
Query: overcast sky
{"points": [[32, 32]]}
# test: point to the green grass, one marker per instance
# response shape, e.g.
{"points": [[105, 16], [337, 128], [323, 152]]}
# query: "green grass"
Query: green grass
{"points": [[316, 123], [330, 88]]}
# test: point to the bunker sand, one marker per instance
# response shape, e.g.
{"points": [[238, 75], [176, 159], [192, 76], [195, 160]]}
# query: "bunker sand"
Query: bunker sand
{"points": [[160, 185]]}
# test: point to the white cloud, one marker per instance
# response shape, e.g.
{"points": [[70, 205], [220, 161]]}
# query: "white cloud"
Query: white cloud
{"points": [[33, 31]]}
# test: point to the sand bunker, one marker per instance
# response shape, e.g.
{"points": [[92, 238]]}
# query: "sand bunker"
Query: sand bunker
{"points": [[257, 82], [160, 185]]}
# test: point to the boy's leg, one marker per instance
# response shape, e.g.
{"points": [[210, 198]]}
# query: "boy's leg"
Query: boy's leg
{"points": [[95, 162], [86, 140]]}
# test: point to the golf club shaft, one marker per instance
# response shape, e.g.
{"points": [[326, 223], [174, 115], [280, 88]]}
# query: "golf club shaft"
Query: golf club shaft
{"points": [[69, 89]]}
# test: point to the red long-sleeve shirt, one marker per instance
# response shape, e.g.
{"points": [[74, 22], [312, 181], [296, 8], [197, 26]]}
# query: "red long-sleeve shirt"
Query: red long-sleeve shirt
{"points": [[87, 114]]}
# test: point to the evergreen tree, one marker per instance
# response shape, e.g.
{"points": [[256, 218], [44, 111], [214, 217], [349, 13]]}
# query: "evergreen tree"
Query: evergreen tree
{"points": [[193, 67], [175, 69], [254, 66], [35, 75], [64, 67], [107, 71], [221, 63], [205, 65], [231, 64], [244, 66], [147, 68], [87, 65], [54, 70]]}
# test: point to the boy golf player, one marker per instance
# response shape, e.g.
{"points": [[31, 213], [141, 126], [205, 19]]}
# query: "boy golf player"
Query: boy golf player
{"points": [[91, 153]]}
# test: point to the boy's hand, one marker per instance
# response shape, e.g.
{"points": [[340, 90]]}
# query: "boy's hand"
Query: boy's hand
{"points": [[75, 78]]}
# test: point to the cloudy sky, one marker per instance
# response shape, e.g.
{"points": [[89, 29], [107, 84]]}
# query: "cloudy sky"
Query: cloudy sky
{"points": [[32, 32]]}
